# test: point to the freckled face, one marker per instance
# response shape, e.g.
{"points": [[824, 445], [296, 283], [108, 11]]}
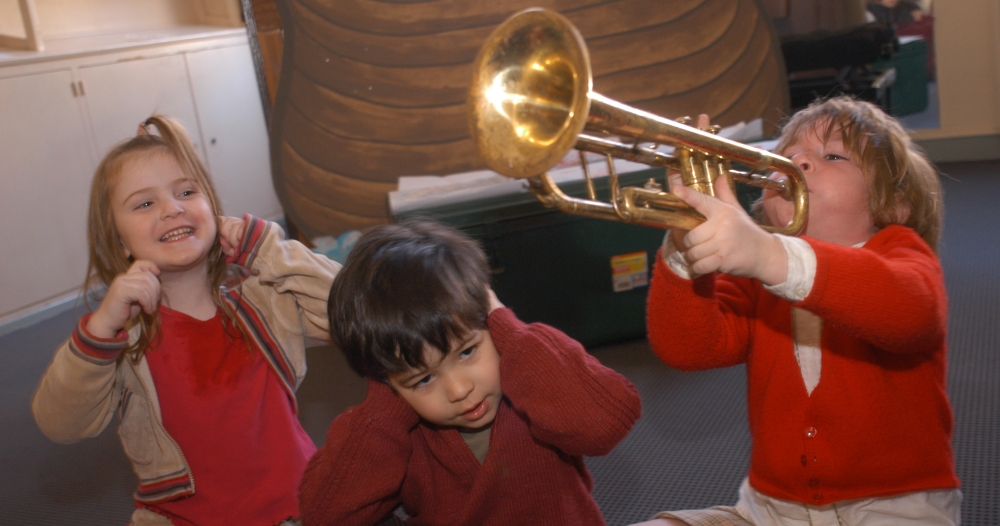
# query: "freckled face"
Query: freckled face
{"points": [[161, 215], [838, 194], [459, 389]]}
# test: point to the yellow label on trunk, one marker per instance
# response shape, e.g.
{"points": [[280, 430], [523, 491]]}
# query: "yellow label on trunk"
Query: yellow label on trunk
{"points": [[629, 271]]}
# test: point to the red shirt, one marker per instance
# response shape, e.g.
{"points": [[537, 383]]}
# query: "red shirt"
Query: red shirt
{"points": [[234, 422]]}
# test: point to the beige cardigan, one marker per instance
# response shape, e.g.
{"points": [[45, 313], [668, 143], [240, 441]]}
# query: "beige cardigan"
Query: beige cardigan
{"points": [[283, 304]]}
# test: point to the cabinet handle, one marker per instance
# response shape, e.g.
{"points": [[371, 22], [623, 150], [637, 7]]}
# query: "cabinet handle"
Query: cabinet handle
{"points": [[73, 86], [82, 93]]}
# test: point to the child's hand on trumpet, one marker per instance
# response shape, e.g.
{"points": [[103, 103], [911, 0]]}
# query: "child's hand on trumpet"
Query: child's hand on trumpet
{"points": [[729, 240]]}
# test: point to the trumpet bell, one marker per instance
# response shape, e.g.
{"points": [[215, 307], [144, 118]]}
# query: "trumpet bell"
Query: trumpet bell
{"points": [[531, 102], [529, 97]]}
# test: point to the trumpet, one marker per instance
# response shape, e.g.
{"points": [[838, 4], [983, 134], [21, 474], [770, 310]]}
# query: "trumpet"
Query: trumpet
{"points": [[531, 102]]}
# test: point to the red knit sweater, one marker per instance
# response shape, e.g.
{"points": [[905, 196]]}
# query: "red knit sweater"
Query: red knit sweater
{"points": [[879, 422], [559, 403]]}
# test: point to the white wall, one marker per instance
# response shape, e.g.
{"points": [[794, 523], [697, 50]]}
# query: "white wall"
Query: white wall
{"points": [[62, 18], [69, 18], [967, 47]]}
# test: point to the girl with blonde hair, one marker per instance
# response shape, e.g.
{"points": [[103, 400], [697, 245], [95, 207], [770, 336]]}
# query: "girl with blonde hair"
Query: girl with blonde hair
{"points": [[198, 343]]}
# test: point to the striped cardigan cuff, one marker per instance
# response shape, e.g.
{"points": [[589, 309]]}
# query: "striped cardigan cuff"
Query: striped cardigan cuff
{"points": [[99, 351], [253, 236], [165, 488]]}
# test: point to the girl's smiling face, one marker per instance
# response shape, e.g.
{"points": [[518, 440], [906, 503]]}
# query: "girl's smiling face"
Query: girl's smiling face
{"points": [[162, 215], [458, 389], [839, 209]]}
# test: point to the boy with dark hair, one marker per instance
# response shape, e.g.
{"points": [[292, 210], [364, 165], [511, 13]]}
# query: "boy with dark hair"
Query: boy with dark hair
{"points": [[472, 417]]}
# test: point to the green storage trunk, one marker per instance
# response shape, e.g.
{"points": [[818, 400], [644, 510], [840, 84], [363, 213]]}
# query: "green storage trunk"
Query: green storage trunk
{"points": [[556, 268], [908, 94]]}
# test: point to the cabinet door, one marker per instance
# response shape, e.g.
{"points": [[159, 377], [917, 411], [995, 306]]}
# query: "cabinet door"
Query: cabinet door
{"points": [[121, 95], [232, 124], [46, 165]]}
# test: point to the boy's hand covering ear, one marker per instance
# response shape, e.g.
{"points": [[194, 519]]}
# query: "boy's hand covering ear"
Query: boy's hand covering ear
{"points": [[494, 301]]}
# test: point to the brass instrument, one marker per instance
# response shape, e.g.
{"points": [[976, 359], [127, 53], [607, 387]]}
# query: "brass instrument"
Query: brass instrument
{"points": [[531, 102]]}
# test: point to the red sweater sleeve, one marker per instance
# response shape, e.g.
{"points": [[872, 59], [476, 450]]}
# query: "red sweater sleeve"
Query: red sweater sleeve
{"points": [[699, 324], [356, 476], [895, 274], [567, 397]]}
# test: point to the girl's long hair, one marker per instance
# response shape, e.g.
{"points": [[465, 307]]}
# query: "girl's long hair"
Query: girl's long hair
{"points": [[107, 256]]}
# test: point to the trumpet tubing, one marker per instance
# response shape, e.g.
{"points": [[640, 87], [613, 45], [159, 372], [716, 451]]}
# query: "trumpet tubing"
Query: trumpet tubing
{"points": [[531, 102]]}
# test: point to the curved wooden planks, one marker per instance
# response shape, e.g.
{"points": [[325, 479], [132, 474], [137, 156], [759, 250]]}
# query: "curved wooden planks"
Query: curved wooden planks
{"points": [[714, 94], [643, 46], [432, 17], [670, 77], [358, 197], [392, 87], [377, 89], [435, 49], [448, 44], [623, 17], [325, 220], [367, 160], [362, 120]]}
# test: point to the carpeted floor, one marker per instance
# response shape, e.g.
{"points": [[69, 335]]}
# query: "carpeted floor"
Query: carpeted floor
{"points": [[690, 449]]}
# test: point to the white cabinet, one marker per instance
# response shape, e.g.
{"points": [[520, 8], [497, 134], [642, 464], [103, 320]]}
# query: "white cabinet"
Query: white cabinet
{"points": [[231, 118], [120, 95], [61, 111], [46, 165]]}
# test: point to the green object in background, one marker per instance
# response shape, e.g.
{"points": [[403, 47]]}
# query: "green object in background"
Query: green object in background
{"points": [[556, 268], [562, 269], [908, 94]]}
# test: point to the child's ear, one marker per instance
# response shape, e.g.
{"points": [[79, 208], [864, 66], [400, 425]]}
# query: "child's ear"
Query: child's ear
{"points": [[125, 250], [901, 212]]}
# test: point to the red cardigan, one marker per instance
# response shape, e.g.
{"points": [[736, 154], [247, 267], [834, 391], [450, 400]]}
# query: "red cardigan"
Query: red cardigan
{"points": [[879, 422], [559, 403]]}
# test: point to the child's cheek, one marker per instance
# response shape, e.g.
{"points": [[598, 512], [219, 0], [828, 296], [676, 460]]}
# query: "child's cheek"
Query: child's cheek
{"points": [[779, 211]]}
